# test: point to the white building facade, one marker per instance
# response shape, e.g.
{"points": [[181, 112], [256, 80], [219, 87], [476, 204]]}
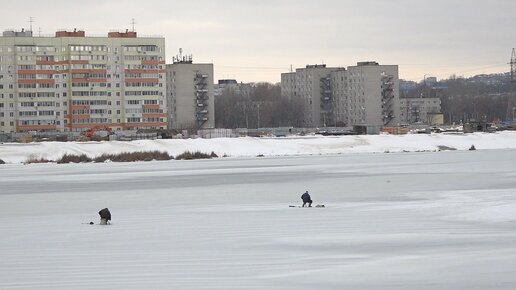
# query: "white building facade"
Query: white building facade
{"points": [[72, 82]]}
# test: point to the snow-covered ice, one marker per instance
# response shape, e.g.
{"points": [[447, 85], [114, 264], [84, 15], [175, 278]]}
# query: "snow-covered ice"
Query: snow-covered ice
{"points": [[425, 220]]}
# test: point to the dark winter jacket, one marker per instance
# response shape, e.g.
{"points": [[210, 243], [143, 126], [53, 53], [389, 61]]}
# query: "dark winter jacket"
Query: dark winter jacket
{"points": [[306, 197], [105, 214]]}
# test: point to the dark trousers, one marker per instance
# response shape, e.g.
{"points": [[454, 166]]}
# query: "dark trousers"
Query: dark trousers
{"points": [[309, 203]]}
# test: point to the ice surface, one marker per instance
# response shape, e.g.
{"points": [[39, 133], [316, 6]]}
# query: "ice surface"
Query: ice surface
{"points": [[427, 220]]}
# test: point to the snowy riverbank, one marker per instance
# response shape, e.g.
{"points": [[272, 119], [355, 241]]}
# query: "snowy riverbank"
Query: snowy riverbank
{"points": [[250, 147]]}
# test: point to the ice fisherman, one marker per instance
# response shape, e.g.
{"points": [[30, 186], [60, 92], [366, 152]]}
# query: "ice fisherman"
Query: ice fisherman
{"points": [[105, 216], [306, 199]]}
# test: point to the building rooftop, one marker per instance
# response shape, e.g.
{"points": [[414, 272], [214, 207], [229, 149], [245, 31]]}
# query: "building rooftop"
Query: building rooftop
{"points": [[364, 63], [315, 66], [75, 33], [22, 33]]}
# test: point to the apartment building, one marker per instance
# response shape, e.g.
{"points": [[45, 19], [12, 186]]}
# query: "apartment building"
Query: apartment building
{"points": [[226, 84], [72, 82], [373, 92], [312, 85], [190, 94], [365, 94], [420, 110]]}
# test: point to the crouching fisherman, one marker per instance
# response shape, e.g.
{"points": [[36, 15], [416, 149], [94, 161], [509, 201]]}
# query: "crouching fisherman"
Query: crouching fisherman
{"points": [[306, 199], [105, 216]]}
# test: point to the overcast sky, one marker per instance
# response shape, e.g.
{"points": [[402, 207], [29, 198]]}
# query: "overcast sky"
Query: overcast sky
{"points": [[258, 40]]}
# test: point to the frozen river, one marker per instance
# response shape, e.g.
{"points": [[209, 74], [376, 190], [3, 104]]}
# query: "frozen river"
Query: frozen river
{"points": [[434, 220]]}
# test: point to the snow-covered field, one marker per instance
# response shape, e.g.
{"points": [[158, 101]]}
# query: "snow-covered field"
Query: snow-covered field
{"points": [[426, 220], [250, 147]]}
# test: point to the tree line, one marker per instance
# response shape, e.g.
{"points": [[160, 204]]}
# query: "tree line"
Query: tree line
{"points": [[489, 98], [261, 105], [257, 105]]}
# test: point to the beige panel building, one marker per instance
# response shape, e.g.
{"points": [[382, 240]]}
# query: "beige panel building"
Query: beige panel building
{"points": [[190, 95], [340, 91], [312, 85], [73, 82], [373, 92], [420, 111], [365, 94]]}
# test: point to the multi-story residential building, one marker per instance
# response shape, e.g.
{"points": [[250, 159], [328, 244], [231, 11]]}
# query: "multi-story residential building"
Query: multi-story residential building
{"points": [[420, 110], [365, 94], [190, 94], [340, 97], [226, 84], [289, 85], [312, 86], [373, 92], [72, 82]]}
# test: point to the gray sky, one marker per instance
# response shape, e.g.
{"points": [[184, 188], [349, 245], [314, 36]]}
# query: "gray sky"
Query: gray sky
{"points": [[257, 40]]}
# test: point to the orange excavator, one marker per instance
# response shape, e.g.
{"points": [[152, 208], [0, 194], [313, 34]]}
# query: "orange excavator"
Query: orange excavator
{"points": [[88, 134]]}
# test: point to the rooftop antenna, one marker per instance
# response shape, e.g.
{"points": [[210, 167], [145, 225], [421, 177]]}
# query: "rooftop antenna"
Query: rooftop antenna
{"points": [[39, 31], [291, 69], [31, 20], [180, 58], [133, 23], [513, 66]]}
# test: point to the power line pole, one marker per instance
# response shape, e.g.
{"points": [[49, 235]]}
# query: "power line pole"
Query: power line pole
{"points": [[510, 105], [258, 115]]}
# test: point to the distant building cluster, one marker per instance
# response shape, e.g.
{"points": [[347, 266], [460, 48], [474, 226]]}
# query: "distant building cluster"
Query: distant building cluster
{"points": [[71, 82], [366, 94]]}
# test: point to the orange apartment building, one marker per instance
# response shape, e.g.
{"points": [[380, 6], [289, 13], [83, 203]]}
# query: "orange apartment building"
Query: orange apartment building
{"points": [[73, 82]]}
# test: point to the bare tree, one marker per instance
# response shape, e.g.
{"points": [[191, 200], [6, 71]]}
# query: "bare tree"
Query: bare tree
{"points": [[257, 105]]}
